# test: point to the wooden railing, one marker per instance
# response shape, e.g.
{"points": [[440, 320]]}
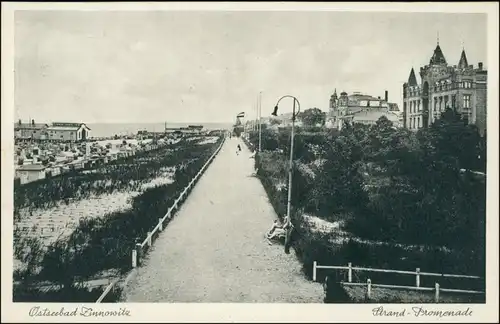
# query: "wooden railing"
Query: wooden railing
{"points": [[417, 273], [109, 288], [137, 252]]}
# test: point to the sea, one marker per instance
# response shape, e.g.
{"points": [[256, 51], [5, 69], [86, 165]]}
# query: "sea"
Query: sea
{"points": [[120, 129]]}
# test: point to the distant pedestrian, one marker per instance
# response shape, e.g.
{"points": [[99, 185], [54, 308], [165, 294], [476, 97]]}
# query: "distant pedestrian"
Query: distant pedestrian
{"points": [[239, 147]]}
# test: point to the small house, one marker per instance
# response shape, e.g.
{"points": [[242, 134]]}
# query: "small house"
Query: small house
{"points": [[30, 173]]}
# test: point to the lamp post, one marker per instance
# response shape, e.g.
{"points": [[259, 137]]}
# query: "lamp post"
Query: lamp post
{"points": [[260, 121], [294, 115]]}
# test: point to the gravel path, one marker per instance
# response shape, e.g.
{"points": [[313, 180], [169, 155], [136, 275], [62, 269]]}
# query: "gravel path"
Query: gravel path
{"points": [[214, 250]]}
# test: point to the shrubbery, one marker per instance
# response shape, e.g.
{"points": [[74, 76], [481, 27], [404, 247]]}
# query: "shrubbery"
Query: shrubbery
{"points": [[389, 185]]}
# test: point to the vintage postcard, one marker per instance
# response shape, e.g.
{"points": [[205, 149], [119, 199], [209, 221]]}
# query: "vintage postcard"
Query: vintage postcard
{"points": [[249, 162]]}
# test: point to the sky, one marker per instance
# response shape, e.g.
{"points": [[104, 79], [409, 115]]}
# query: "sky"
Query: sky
{"points": [[207, 66]]}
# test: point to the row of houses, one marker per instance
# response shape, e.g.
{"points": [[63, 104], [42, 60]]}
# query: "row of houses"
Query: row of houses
{"points": [[67, 132], [191, 129], [172, 131]]}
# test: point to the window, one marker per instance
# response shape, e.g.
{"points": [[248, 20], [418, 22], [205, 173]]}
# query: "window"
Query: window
{"points": [[418, 105], [466, 101], [467, 84], [418, 122]]}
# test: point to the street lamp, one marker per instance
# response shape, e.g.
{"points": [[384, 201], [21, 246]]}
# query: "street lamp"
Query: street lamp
{"points": [[294, 115], [260, 121]]}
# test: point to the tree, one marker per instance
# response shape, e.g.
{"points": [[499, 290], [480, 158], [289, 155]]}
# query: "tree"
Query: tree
{"points": [[338, 182], [237, 131], [275, 121], [451, 140], [312, 117]]}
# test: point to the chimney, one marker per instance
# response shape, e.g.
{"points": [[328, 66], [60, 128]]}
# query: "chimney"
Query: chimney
{"points": [[480, 65], [33, 122], [386, 95]]}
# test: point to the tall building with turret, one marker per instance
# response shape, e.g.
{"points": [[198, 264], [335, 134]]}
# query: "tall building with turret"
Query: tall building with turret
{"points": [[460, 87]]}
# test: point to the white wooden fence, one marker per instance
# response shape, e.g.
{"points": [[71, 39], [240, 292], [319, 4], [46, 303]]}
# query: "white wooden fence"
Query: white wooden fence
{"points": [[148, 241], [417, 273]]}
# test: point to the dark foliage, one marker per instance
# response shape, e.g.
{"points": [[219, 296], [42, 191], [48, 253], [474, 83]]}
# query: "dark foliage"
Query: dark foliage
{"points": [[391, 186]]}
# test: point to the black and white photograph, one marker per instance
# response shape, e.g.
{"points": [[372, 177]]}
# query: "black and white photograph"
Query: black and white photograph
{"points": [[250, 155]]}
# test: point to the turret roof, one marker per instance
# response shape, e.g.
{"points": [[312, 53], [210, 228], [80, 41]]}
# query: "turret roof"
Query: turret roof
{"points": [[438, 56], [463, 60], [412, 79]]}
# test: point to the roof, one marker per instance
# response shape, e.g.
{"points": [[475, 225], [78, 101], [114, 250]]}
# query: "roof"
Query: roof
{"points": [[31, 167], [360, 96], [68, 125], [29, 126], [61, 128], [412, 80], [373, 115], [463, 61], [438, 56]]}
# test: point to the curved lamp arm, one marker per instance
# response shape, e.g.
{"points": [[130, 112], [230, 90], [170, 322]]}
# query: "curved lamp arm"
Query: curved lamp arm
{"points": [[294, 114]]}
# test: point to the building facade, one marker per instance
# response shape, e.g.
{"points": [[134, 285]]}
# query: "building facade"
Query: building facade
{"points": [[460, 87], [68, 132], [56, 131], [30, 131], [360, 108]]}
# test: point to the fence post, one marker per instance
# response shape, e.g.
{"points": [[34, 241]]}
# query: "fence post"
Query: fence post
{"points": [[349, 274], [314, 271], [138, 250], [160, 224], [134, 258], [368, 288], [436, 296], [149, 238], [418, 278]]}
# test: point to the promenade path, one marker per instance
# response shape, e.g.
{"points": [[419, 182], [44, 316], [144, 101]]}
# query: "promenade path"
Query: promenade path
{"points": [[214, 250]]}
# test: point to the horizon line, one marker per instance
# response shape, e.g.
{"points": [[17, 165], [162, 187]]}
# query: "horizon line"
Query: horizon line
{"points": [[128, 122]]}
